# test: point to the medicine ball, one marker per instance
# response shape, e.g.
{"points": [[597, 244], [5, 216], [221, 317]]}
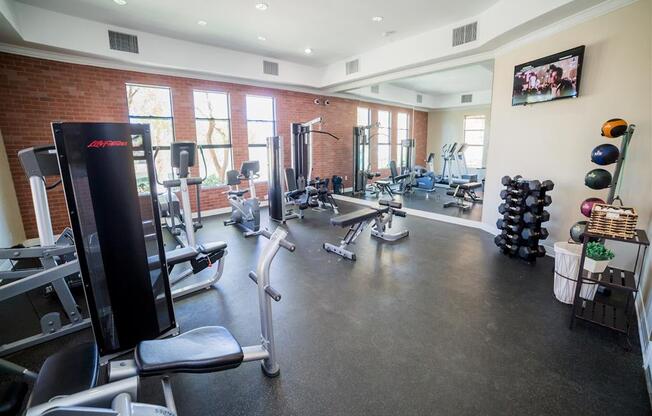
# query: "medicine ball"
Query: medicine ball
{"points": [[587, 205], [614, 127], [577, 231], [597, 179], [605, 154]]}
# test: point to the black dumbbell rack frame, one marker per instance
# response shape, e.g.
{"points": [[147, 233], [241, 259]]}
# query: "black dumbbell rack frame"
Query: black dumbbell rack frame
{"points": [[517, 192]]}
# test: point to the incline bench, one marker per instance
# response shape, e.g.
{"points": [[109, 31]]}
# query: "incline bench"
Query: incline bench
{"points": [[381, 218], [463, 192]]}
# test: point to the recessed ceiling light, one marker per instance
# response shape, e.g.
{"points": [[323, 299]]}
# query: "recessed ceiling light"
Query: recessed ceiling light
{"points": [[202, 22], [120, 2], [262, 38], [308, 51], [377, 18], [262, 6]]}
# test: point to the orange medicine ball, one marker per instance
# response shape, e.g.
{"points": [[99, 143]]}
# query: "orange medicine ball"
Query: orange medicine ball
{"points": [[613, 128]]}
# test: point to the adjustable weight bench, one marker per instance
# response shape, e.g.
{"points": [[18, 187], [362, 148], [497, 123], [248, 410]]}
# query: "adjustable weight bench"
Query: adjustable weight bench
{"points": [[357, 221], [463, 192], [383, 187]]}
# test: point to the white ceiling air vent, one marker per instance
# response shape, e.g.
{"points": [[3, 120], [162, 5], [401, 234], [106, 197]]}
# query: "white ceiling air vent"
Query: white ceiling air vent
{"points": [[123, 42], [375, 89], [465, 34], [270, 68], [467, 98], [352, 67], [419, 98]]}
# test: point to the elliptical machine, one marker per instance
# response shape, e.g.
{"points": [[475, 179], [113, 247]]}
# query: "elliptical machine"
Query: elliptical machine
{"points": [[178, 215], [244, 212]]}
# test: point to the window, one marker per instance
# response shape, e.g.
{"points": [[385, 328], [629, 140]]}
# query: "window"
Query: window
{"points": [[364, 116], [402, 133], [212, 119], [261, 124], [153, 106], [474, 139], [364, 119], [384, 139]]}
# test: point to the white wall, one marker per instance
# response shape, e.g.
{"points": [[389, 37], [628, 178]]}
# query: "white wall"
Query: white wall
{"points": [[553, 140], [447, 126], [11, 223]]}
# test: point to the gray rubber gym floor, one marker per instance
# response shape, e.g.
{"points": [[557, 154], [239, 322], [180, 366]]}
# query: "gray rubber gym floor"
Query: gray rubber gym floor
{"points": [[433, 202], [437, 324]]}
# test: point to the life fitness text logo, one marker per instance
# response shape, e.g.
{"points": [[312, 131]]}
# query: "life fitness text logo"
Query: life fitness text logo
{"points": [[106, 143]]}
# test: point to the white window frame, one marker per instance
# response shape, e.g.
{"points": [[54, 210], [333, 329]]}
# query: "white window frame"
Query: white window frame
{"points": [[209, 147], [384, 146], [399, 147], [248, 120], [483, 130]]}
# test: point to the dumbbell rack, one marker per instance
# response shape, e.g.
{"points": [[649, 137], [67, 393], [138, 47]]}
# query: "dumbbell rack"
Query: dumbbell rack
{"points": [[523, 214], [617, 310]]}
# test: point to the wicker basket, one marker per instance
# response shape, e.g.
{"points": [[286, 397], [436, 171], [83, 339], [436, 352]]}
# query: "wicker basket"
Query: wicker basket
{"points": [[613, 221]]}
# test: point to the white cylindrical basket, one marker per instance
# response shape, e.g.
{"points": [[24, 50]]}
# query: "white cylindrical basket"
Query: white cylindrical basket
{"points": [[567, 264]]}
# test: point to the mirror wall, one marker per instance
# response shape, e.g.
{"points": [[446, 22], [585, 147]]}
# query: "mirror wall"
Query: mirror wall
{"points": [[446, 176]]}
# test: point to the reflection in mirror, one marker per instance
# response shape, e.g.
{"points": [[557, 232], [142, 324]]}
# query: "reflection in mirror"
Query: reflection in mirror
{"points": [[446, 175]]}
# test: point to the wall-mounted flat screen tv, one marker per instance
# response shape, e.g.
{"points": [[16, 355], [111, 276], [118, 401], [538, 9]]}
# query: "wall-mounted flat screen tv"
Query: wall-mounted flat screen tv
{"points": [[550, 78]]}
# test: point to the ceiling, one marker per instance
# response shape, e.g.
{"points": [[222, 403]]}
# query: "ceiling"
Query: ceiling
{"points": [[476, 77], [334, 29]]}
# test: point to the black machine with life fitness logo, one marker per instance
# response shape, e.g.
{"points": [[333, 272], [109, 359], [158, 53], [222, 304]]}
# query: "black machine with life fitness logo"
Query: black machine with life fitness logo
{"points": [[107, 171]]}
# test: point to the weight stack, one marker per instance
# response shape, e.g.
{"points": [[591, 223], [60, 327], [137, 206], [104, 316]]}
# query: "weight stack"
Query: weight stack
{"points": [[523, 213]]}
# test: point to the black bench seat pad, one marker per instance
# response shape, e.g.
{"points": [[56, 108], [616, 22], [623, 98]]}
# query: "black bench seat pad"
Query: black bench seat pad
{"points": [[66, 372], [211, 246], [202, 350], [468, 185], [354, 217]]}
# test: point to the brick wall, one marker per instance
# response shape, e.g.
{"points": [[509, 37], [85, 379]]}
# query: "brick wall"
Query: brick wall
{"points": [[35, 92]]}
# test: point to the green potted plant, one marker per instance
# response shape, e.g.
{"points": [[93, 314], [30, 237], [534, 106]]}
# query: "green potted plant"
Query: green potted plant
{"points": [[597, 257]]}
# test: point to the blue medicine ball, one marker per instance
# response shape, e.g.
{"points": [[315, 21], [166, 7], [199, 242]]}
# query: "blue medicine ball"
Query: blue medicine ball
{"points": [[605, 154]]}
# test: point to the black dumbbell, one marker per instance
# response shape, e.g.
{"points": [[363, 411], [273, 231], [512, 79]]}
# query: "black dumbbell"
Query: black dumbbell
{"points": [[531, 253], [513, 218], [533, 200], [506, 180], [532, 233], [536, 185], [505, 245], [505, 234], [530, 218], [503, 208], [505, 193], [504, 225], [512, 195]]}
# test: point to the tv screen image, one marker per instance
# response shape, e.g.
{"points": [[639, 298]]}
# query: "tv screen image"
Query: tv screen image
{"points": [[550, 78]]}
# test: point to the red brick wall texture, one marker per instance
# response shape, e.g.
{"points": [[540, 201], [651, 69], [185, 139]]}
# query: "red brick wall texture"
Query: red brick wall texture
{"points": [[36, 92]]}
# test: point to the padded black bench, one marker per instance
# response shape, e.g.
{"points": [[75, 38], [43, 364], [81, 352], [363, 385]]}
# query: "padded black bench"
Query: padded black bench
{"points": [[384, 186], [346, 220], [75, 370], [463, 192], [380, 217], [202, 350]]}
